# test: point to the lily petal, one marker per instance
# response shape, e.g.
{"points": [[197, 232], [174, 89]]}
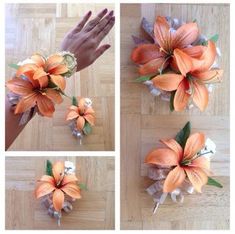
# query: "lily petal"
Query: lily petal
{"points": [[175, 146], [72, 190], [208, 77], [89, 110], [44, 189], [186, 35], [54, 96], [145, 53], [200, 95], [68, 179], [80, 123], [181, 96], [20, 86], [58, 170], [38, 59], [193, 145], [26, 103], [59, 81], [174, 179], [58, 70], [72, 115], [48, 179], [207, 59], [202, 163], [41, 76], [162, 33], [90, 119], [197, 177], [58, 199], [194, 51], [153, 66], [163, 157], [53, 61], [167, 82], [183, 61], [45, 105]]}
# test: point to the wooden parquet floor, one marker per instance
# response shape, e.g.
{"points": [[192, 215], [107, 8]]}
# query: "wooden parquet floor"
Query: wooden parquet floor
{"points": [[94, 211], [146, 119], [34, 28]]}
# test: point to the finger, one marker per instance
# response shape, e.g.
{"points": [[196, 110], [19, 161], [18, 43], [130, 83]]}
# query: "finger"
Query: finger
{"points": [[106, 30], [100, 51], [101, 25], [81, 24], [95, 21]]}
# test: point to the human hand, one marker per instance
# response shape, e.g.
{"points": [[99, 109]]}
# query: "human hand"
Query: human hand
{"points": [[83, 40]]}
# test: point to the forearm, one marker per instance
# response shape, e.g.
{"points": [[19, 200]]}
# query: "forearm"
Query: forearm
{"points": [[12, 126]]}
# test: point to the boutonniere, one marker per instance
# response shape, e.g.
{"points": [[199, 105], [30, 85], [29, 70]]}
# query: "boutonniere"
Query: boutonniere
{"points": [[181, 166], [81, 116], [59, 188], [178, 63]]}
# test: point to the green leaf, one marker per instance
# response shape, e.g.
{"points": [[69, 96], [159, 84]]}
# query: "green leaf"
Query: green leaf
{"points": [[213, 182], [82, 186], [13, 65], [49, 168], [74, 101], [87, 128], [214, 38], [172, 101], [142, 78], [183, 134]]}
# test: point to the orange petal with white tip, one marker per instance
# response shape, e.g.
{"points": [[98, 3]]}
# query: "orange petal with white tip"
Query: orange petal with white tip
{"points": [[174, 179]]}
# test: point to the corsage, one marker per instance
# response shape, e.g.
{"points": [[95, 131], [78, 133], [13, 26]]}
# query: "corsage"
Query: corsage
{"points": [[59, 188], [177, 62], [183, 166], [81, 116]]}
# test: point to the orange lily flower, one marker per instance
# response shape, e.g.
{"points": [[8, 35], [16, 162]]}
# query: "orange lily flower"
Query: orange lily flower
{"points": [[34, 90], [41, 70], [59, 184], [82, 114], [185, 161], [191, 83], [152, 57]]}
